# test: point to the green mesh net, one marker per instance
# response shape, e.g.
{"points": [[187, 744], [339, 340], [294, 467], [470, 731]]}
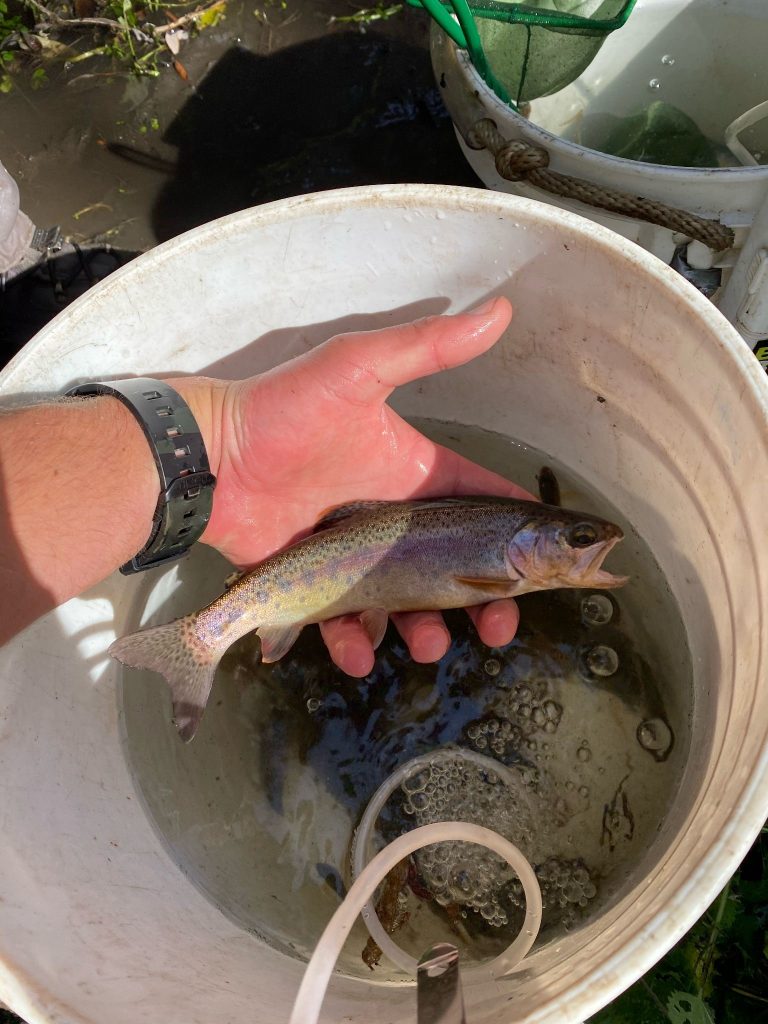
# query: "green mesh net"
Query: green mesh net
{"points": [[527, 50]]}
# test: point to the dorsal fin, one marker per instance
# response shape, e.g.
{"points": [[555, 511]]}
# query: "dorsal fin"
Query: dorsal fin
{"points": [[339, 513]]}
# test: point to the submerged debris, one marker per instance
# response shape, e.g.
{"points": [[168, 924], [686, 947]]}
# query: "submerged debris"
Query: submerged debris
{"points": [[618, 819], [390, 910]]}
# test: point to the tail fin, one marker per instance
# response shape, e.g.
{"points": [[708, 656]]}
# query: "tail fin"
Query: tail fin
{"points": [[176, 652]]}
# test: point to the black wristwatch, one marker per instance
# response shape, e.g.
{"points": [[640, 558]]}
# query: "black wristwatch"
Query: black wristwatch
{"points": [[186, 482]]}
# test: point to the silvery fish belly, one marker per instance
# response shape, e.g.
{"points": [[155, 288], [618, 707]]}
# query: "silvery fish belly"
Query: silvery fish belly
{"points": [[374, 558]]}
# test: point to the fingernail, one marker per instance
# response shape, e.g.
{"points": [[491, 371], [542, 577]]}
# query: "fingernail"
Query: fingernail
{"points": [[484, 309], [354, 659], [431, 643]]}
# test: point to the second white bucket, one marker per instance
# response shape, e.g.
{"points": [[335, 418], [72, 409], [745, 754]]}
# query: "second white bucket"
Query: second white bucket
{"points": [[98, 921], [669, 50]]}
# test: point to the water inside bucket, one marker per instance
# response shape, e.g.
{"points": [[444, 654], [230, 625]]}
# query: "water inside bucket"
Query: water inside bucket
{"points": [[590, 706], [664, 89]]}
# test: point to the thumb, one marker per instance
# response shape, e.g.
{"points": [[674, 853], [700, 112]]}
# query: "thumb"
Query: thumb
{"points": [[368, 366]]}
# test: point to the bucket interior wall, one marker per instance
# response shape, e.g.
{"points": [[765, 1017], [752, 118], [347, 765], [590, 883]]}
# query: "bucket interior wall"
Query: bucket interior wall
{"points": [[612, 364], [704, 57]]}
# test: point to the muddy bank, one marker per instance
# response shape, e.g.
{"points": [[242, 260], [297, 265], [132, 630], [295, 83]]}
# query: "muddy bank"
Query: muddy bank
{"points": [[278, 102]]}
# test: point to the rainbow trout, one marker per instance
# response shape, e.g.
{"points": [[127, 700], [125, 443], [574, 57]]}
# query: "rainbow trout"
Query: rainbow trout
{"points": [[374, 558]]}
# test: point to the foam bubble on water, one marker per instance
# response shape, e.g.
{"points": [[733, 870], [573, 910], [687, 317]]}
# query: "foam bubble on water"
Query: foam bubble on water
{"points": [[596, 610], [655, 736], [668, 59], [463, 874], [600, 660], [565, 885], [469, 879], [654, 84], [313, 704], [553, 711], [584, 753], [498, 735]]}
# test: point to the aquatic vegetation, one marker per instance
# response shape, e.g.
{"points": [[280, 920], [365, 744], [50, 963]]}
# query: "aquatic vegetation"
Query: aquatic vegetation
{"points": [[139, 36], [368, 15]]}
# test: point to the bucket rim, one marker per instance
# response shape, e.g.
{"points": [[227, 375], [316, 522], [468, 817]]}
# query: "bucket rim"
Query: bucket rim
{"points": [[709, 872], [483, 94], [445, 198]]}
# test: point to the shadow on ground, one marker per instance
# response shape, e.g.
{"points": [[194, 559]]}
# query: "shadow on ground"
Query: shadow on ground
{"points": [[341, 110]]}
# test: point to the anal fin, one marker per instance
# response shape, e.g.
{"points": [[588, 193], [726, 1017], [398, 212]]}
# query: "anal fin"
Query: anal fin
{"points": [[277, 641]]}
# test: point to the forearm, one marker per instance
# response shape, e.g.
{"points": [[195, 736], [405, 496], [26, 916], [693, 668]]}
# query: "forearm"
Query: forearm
{"points": [[79, 489]]}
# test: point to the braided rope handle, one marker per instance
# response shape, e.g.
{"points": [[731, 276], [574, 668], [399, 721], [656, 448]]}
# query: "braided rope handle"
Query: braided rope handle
{"points": [[520, 161]]}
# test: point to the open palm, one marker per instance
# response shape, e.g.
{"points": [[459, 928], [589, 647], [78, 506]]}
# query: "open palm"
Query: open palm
{"points": [[316, 432]]}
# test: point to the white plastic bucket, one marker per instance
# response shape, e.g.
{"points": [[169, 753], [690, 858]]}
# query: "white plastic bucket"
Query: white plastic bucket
{"points": [[714, 71], [613, 364]]}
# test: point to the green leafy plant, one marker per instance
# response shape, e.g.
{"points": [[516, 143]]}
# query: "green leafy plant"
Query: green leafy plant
{"points": [[716, 974], [9, 23], [368, 15], [132, 34]]}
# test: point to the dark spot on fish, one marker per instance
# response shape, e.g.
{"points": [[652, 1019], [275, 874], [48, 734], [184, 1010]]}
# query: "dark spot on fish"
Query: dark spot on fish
{"points": [[600, 399], [442, 80]]}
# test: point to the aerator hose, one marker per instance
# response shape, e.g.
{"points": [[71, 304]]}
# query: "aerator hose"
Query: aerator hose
{"points": [[306, 1009]]}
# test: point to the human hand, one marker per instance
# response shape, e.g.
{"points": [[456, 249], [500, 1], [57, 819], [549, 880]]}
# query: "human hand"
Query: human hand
{"points": [[316, 432]]}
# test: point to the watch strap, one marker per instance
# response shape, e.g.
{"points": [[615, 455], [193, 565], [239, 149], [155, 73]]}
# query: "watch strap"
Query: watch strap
{"points": [[186, 482]]}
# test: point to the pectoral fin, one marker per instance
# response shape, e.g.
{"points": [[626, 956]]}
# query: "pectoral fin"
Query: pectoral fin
{"points": [[494, 584], [277, 641]]}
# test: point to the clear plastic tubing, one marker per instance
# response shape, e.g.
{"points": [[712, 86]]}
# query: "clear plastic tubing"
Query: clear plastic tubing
{"points": [[735, 128], [361, 845], [306, 1009]]}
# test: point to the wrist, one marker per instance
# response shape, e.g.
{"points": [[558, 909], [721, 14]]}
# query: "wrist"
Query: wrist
{"points": [[210, 401], [206, 398]]}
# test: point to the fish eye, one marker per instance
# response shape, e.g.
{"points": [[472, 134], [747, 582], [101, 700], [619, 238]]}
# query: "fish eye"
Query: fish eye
{"points": [[582, 535]]}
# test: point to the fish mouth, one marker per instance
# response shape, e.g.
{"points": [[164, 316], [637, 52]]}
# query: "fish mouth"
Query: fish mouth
{"points": [[593, 575]]}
